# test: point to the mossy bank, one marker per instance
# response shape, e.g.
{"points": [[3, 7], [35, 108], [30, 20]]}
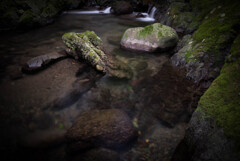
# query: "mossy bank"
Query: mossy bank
{"points": [[212, 53]]}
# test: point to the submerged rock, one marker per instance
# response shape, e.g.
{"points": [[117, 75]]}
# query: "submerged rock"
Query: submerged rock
{"points": [[150, 38], [89, 46], [121, 7], [105, 128], [40, 62]]}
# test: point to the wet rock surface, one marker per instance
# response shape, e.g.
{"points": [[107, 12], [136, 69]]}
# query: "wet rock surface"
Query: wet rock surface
{"points": [[150, 38], [211, 133], [41, 62], [121, 7], [107, 128], [198, 144]]}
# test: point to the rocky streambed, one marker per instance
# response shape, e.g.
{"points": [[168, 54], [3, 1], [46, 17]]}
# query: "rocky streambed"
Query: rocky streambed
{"points": [[89, 108]]}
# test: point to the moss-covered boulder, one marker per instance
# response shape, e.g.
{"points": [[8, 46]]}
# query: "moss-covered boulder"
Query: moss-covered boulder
{"points": [[204, 55], [180, 17], [89, 46], [110, 128], [214, 130], [222, 100], [150, 38], [176, 14]]}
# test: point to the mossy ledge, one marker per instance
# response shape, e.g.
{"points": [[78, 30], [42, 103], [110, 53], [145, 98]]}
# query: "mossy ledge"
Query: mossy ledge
{"points": [[222, 100], [211, 42]]}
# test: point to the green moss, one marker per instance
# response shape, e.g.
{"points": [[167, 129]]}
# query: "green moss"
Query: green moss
{"points": [[187, 55], [28, 17], [215, 25], [160, 34], [146, 31], [178, 7], [70, 39], [92, 55], [222, 100], [216, 31], [98, 52], [92, 37], [235, 50], [83, 43], [125, 35], [49, 11], [204, 4], [158, 25], [182, 19]]}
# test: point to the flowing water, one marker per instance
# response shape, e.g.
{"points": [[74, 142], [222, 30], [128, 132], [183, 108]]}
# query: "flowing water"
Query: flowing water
{"points": [[36, 110], [149, 16]]}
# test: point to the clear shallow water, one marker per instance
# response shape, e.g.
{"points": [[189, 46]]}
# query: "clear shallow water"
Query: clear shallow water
{"points": [[36, 110]]}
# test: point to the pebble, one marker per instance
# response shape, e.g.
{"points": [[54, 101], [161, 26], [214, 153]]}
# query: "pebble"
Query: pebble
{"points": [[213, 11], [223, 15]]}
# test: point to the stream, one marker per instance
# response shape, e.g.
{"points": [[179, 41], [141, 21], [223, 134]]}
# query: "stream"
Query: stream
{"points": [[37, 109]]}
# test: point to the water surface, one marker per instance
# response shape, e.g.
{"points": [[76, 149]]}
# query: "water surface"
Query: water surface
{"points": [[36, 110]]}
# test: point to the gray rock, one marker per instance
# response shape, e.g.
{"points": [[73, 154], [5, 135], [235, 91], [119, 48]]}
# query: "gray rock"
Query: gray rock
{"points": [[40, 62], [150, 38]]}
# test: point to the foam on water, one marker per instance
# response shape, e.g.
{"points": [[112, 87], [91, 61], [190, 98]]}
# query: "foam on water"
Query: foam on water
{"points": [[149, 17], [106, 11]]}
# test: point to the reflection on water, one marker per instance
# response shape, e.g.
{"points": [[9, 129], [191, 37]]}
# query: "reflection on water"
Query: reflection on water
{"points": [[36, 110]]}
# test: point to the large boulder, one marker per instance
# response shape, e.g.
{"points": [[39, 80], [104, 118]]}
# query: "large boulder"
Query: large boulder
{"points": [[110, 128], [121, 7], [89, 46], [150, 38]]}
